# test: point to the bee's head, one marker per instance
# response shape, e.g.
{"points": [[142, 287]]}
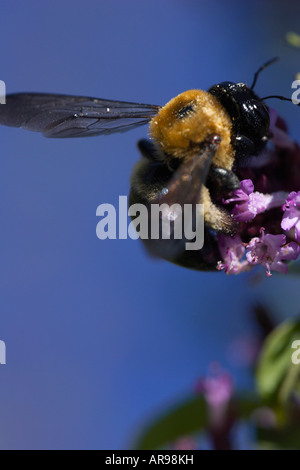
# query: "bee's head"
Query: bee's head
{"points": [[187, 120], [249, 116]]}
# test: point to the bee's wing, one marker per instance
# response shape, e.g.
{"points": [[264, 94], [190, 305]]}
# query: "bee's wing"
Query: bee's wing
{"points": [[73, 116], [185, 185], [184, 188]]}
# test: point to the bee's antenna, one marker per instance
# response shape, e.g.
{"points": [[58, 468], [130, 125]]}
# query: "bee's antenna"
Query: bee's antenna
{"points": [[282, 98], [270, 62]]}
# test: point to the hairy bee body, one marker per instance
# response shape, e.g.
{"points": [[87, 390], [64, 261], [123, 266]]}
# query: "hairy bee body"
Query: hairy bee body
{"points": [[178, 132], [148, 180]]}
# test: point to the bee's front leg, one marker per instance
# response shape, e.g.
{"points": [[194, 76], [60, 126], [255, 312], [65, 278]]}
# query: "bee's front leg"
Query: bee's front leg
{"points": [[148, 149], [221, 181]]}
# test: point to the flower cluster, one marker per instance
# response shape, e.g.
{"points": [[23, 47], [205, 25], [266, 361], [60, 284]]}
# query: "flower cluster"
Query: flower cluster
{"points": [[266, 208]]}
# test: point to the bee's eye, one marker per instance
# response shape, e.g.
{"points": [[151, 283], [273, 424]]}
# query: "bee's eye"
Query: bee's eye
{"points": [[185, 111]]}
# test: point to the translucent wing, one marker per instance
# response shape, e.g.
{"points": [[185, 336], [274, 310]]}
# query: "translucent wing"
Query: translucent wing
{"points": [[184, 187], [73, 116]]}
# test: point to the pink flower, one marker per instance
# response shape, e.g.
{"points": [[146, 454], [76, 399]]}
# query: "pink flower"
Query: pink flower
{"points": [[291, 217], [217, 389], [271, 251], [185, 443], [232, 250], [250, 203]]}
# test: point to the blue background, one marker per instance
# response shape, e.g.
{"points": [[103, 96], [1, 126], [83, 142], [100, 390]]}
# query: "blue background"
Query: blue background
{"points": [[100, 337]]}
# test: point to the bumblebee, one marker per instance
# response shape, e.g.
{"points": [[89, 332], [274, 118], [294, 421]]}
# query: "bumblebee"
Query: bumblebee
{"points": [[197, 142]]}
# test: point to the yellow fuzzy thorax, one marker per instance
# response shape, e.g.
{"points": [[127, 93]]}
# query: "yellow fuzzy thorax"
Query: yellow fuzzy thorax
{"points": [[179, 136]]}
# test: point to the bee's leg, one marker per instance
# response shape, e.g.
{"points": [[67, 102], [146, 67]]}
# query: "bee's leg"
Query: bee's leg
{"points": [[148, 149], [244, 146], [221, 181], [216, 217]]}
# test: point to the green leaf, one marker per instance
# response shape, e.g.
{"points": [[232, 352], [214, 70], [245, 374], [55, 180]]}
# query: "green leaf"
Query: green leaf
{"points": [[186, 418], [276, 373], [246, 404], [288, 438]]}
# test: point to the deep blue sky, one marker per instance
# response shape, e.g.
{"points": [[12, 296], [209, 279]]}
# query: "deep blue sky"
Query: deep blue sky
{"points": [[99, 336]]}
